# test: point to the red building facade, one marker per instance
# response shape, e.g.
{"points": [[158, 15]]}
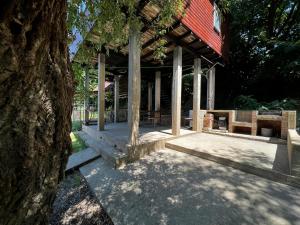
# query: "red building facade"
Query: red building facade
{"points": [[200, 17]]}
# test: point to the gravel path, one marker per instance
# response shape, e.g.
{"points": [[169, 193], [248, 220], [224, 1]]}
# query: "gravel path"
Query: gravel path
{"points": [[76, 205]]}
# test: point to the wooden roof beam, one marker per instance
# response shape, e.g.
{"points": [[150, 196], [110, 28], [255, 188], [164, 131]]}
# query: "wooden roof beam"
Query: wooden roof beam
{"points": [[181, 43], [170, 54], [156, 38], [185, 35], [152, 51], [142, 5]]}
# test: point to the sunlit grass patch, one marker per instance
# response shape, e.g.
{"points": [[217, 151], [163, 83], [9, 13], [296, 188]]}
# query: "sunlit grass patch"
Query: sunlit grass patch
{"points": [[77, 143]]}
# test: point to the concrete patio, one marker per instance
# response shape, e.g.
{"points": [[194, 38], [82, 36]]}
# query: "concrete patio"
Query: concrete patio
{"points": [[170, 187], [112, 143], [119, 132], [262, 158], [259, 154]]}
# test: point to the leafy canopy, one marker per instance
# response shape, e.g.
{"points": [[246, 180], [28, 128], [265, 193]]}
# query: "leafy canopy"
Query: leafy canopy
{"points": [[113, 19], [264, 57], [265, 37]]}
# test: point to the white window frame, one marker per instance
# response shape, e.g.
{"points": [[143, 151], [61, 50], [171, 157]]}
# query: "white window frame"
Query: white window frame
{"points": [[217, 18]]}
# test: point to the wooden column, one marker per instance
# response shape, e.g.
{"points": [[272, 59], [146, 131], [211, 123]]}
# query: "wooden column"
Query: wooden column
{"points": [[101, 91], [197, 95], [176, 90], [211, 89], [86, 96], [134, 87], [149, 97], [116, 98], [157, 90]]}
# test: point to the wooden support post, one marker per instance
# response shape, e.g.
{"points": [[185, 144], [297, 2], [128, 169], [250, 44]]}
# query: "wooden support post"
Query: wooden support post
{"points": [[86, 96], [134, 87], [101, 91], [197, 95], [157, 90], [149, 97], [211, 89], [176, 91], [116, 98]]}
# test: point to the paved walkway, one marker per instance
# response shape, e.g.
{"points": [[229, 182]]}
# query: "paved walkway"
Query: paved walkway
{"points": [[250, 152], [169, 187]]}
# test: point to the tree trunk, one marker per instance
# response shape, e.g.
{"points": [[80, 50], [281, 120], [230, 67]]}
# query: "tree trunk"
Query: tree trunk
{"points": [[36, 92]]}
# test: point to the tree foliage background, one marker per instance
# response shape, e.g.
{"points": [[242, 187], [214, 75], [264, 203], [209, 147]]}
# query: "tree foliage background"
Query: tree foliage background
{"points": [[264, 59]]}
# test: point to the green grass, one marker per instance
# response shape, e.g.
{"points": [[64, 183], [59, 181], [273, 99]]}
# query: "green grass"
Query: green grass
{"points": [[76, 125], [77, 143]]}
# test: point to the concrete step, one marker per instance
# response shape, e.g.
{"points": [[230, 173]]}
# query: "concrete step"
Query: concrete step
{"points": [[294, 151], [112, 155], [262, 172], [81, 158], [296, 160]]}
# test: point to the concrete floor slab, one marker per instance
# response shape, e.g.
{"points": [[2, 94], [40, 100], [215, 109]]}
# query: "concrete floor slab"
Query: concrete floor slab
{"points": [[273, 140], [169, 187], [147, 133], [250, 152]]}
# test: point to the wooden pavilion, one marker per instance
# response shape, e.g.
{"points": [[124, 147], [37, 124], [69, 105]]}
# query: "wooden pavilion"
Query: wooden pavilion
{"points": [[195, 39]]}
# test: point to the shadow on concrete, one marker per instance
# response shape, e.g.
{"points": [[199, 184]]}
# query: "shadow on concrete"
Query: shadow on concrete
{"points": [[236, 152], [169, 187], [281, 161]]}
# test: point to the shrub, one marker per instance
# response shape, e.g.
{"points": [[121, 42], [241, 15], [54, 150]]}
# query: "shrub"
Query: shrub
{"points": [[246, 102], [250, 103], [285, 104]]}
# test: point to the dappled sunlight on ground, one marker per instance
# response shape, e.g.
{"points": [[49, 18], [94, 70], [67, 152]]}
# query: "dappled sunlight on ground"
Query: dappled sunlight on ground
{"points": [[168, 187], [147, 133], [256, 153]]}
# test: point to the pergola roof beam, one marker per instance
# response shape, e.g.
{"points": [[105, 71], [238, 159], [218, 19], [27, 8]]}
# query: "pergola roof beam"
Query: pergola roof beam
{"points": [[156, 38], [177, 34], [181, 43]]}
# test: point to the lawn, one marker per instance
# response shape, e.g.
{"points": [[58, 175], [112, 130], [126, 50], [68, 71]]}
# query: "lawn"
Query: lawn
{"points": [[77, 143]]}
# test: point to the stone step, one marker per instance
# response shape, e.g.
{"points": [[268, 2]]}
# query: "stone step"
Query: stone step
{"points": [[262, 172], [81, 158], [108, 152]]}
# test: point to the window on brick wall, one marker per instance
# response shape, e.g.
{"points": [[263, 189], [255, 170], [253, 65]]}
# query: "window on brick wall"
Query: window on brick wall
{"points": [[217, 18]]}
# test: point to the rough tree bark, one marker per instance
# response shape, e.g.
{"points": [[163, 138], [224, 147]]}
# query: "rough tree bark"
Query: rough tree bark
{"points": [[36, 91]]}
